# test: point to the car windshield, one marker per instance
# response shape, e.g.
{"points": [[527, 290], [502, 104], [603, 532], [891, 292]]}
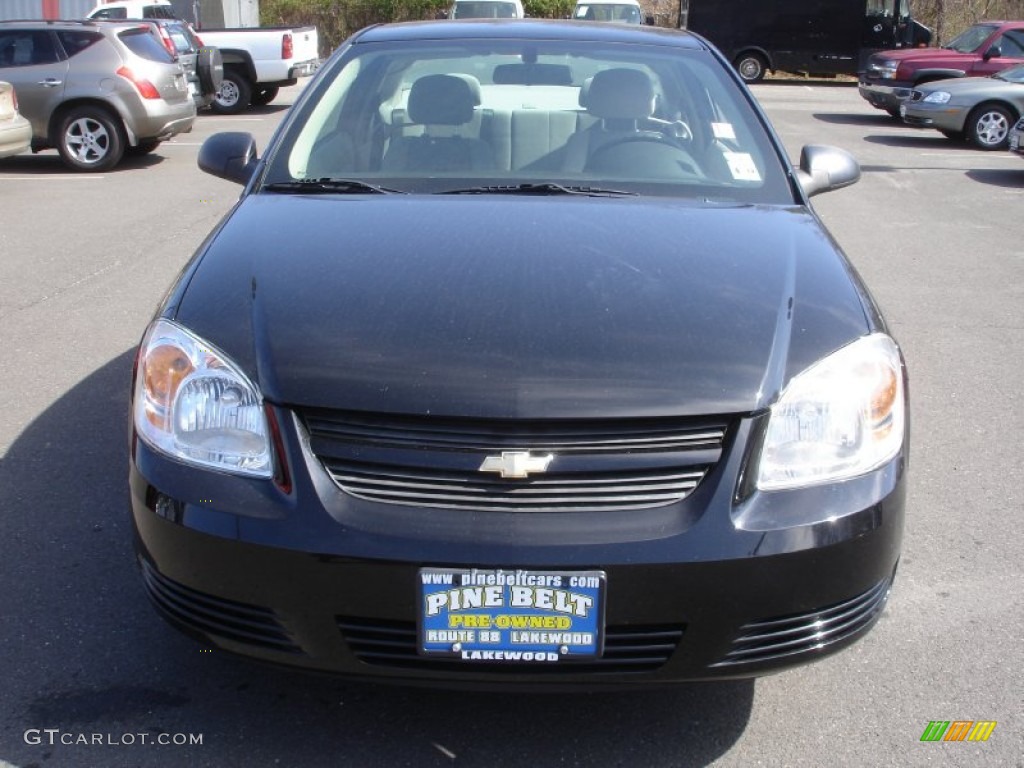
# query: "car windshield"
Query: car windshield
{"points": [[142, 43], [1011, 75], [626, 13], [484, 9], [970, 40], [530, 116]]}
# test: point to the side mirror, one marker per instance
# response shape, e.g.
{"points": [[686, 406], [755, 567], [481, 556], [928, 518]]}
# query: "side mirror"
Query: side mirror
{"points": [[994, 52], [823, 169], [230, 155]]}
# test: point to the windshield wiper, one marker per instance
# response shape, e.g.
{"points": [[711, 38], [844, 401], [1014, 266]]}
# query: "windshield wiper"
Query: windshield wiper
{"points": [[333, 186], [543, 188]]}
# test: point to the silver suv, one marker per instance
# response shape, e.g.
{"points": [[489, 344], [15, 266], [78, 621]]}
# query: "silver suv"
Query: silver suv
{"points": [[95, 90]]}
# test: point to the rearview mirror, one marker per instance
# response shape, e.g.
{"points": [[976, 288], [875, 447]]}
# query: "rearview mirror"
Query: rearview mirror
{"points": [[824, 168], [230, 155]]}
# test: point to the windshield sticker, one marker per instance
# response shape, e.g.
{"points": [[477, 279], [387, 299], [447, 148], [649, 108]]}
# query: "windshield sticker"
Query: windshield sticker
{"points": [[511, 615], [723, 130], [742, 167]]}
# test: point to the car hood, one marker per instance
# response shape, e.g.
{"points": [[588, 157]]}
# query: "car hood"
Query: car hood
{"points": [[928, 56], [969, 86], [506, 307]]}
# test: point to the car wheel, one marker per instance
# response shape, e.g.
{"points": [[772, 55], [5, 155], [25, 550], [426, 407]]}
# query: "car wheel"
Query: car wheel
{"points": [[90, 139], [210, 68], [988, 126], [751, 66], [263, 96], [234, 94], [144, 147]]}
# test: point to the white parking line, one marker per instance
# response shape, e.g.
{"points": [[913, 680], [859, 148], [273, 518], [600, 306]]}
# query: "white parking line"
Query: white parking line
{"points": [[962, 155], [80, 177]]}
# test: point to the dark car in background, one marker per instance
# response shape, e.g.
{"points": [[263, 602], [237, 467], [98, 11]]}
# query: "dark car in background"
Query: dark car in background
{"points": [[95, 90], [523, 360]]}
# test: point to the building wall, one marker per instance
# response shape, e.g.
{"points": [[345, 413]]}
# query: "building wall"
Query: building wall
{"points": [[45, 9]]}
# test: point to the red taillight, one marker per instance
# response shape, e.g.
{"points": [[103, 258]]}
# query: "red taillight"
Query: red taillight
{"points": [[286, 47], [168, 43], [199, 41], [145, 88]]}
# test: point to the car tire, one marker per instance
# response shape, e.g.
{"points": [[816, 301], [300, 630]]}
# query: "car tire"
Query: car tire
{"points": [[144, 147], [988, 126], [263, 96], [234, 94], [90, 139], [751, 66], [210, 68]]}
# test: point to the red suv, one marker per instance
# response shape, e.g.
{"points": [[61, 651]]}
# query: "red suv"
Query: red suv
{"points": [[984, 49]]}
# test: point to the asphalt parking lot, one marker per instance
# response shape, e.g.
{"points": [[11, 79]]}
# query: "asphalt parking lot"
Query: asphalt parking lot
{"points": [[90, 676]]}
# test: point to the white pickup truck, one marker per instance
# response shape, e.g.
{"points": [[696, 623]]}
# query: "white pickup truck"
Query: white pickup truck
{"points": [[257, 60]]}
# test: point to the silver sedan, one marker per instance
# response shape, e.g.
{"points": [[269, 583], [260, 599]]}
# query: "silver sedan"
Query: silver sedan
{"points": [[980, 109]]}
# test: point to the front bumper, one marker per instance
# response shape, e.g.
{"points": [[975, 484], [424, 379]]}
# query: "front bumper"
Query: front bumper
{"points": [[312, 578], [888, 96], [1016, 138], [942, 117]]}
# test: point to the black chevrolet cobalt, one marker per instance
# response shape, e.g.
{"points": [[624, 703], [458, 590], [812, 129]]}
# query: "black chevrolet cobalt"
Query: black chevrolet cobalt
{"points": [[521, 361]]}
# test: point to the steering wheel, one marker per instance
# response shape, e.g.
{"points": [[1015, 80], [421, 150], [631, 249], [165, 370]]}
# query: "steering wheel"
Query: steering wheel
{"points": [[681, 159]]}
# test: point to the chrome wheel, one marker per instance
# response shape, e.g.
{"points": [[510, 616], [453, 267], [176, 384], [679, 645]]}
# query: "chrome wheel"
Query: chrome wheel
{"points": [[751, 67], [989, 126], [87, 140], [91, 139]]}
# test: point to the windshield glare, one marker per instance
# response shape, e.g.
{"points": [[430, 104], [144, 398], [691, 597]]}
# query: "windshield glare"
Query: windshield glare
{"points": [[971, 40], [434, 116]]}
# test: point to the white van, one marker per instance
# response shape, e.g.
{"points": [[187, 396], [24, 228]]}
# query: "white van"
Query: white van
{"points": [[487, 9], [616, 11]]}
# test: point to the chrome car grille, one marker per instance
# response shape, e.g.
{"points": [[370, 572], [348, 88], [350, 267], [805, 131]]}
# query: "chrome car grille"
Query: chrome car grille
{"points": [[772, 639], [627, 648], [431, 462]]}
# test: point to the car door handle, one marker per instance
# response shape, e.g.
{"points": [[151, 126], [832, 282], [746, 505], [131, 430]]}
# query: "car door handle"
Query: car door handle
{"points": [[50, 82]]}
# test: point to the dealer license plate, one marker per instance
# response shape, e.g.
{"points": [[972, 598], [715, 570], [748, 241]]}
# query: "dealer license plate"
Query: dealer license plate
{"points": [[1014, 142], [903, 110], [509, 616]]}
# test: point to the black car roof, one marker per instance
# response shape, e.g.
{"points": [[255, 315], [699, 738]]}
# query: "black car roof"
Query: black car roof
{"points": [[529, 29]]}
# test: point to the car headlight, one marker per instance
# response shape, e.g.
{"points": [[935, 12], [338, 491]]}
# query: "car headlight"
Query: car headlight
{"points": [[840, 418], [937, 97], [886, 69], [193, 403]]}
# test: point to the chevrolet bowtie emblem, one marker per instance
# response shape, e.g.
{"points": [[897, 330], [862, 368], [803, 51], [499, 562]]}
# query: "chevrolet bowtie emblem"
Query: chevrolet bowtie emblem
{"points": [[516, 464]]}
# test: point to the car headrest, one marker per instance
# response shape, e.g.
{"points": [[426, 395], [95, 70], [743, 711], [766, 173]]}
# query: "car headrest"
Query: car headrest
{"points": [[443, 99], [619, 94]]}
